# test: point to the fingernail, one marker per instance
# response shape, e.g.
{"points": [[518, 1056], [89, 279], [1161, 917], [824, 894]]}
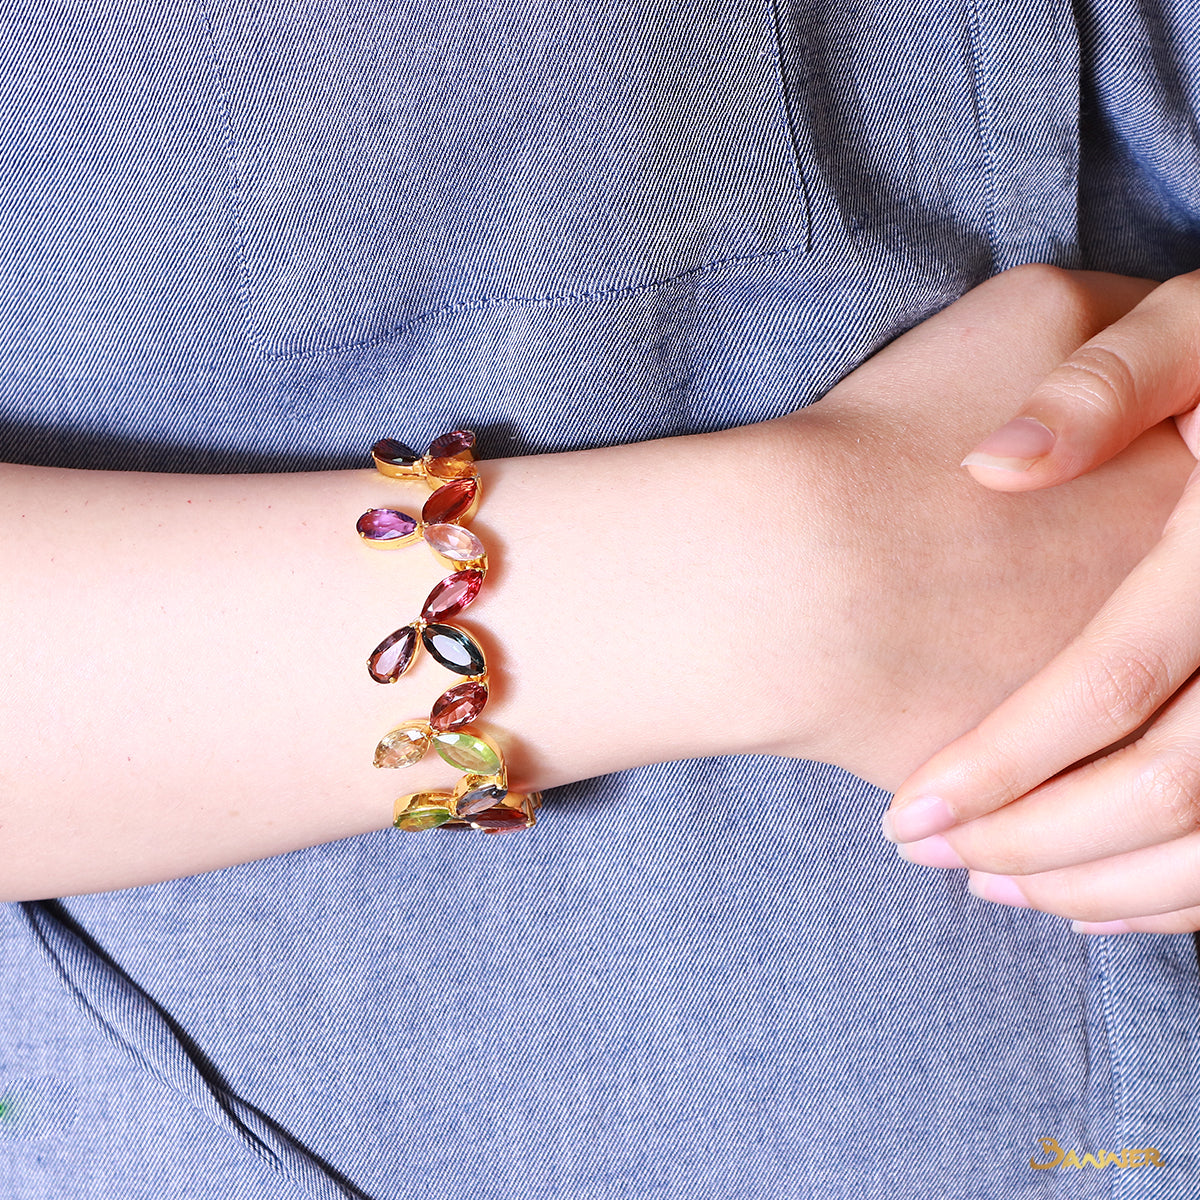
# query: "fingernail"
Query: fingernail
{"points": [[1000, 889], [1015, 447], [917, 820], [931, 852], [1101, 927]]}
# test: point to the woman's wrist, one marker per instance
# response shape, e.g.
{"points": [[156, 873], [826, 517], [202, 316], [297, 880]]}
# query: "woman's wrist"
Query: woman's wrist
{"points": [[654, 600]]}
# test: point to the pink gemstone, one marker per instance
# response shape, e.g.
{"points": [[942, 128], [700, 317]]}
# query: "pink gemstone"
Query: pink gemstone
{"points": [[452, 595], [454, 542], [386, 525], [450, 444], [458, 706], [450, 502], [393, 656]]}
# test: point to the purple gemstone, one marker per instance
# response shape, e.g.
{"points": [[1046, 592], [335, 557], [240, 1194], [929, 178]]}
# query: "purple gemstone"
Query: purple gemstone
{"points": [[393, 656], [391, 451], [450, 444], [386, 524]]}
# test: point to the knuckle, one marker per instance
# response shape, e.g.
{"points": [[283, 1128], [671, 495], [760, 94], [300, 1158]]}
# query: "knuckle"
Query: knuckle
{"points": [[1181, 290], [1171, 785], [1121, 693], [1099, 377]]}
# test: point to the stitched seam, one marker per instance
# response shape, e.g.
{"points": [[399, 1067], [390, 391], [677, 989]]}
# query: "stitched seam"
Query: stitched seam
{"points": [[234, 182], [985, 121], [1103, 953], [790, 120], [521, 301], [258, 338]]}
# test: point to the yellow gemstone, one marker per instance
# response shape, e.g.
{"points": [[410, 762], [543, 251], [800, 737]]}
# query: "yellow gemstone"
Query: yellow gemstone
{"points": [[404, 745]]}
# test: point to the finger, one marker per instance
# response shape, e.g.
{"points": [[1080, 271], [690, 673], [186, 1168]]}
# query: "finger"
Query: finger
{"points": [[1141, 647], [1185, 920], [1145, 794], [1152, 882], [1140, 370]]}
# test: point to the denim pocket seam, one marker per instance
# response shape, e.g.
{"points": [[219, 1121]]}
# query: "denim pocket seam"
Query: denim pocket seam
{"points": [[259, 338], [787, 101]]}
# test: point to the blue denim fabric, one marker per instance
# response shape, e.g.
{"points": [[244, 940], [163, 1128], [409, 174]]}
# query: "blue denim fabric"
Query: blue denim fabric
{"points": [[255, 237]]}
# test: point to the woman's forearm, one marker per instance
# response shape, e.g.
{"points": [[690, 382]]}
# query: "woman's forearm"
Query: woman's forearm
{"points": [[185, 656]]}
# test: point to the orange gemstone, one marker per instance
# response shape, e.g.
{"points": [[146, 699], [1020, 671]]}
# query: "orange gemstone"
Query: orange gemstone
{"points": [[449, 468]]}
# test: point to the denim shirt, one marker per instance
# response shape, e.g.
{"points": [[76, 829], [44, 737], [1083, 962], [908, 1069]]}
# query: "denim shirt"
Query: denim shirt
{"points": [[245, 237]]}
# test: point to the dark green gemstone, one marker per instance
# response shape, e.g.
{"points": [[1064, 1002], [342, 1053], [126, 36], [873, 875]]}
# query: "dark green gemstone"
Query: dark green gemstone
{"points": [[454, 649]]}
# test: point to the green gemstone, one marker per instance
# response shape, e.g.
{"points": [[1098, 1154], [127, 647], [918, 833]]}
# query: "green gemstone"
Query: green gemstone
{"points": [[467, 752], [416, 819]]}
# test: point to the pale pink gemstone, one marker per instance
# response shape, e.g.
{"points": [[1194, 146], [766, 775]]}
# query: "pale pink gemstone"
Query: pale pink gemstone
{"points": [[454, 542]]}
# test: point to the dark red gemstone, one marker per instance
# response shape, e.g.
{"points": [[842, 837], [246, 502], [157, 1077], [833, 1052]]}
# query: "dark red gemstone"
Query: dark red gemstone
{"points": [[393, 656], [450, 444], [458, 706], [450, 502], [500, 819], [391, 451], [452, 595]]}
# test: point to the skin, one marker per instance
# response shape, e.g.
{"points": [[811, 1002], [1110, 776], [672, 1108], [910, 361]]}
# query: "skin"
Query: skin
{"points": [[1080, 794], [185, 672]]}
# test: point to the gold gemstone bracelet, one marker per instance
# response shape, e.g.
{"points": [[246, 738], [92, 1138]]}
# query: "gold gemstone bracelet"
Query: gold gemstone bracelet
{"points": [[481, 799]]}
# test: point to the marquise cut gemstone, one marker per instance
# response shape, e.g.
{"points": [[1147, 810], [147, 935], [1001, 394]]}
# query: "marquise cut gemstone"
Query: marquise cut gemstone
{"points": [[451, 443], [467, 752], [387, 525], [393, 656], [454, 542], [450, 502], [501, 819], [389, 450], [480, 799], [454, 649], [452, 595], [422, 810], [404, 745], [449, 468], [458, 706]]}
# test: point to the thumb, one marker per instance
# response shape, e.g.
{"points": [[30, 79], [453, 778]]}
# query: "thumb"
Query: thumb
{"points": [[1137, 372]]}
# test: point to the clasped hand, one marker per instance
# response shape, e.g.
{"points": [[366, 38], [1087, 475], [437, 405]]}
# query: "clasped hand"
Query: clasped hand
{"points": [[1079, 794]]}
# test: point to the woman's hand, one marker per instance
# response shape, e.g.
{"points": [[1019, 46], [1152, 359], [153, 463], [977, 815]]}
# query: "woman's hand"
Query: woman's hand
{"points": [[1080, 794]]}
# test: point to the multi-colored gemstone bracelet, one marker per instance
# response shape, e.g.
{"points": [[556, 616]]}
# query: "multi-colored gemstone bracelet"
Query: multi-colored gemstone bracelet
{"points": [[481, 799]]}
